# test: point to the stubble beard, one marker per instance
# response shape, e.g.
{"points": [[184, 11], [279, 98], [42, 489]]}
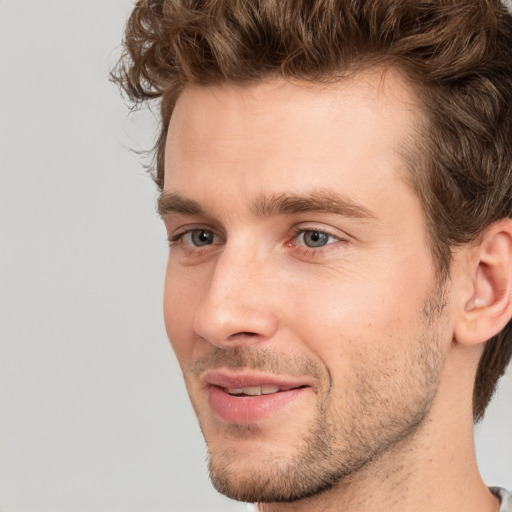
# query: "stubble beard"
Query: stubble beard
{"points": [[338, 445]]}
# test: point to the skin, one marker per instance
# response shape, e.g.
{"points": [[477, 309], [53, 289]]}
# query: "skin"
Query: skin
{"points": [[362, 320]]}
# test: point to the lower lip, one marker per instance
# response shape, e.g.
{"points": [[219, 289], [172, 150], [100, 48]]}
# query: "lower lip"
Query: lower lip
{"points": [[245, 410]]}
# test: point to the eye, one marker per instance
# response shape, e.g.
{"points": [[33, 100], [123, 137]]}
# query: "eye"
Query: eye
{"points": [[194, 238], [192, 244], [310, 241], [200, 237], [316, 238]]}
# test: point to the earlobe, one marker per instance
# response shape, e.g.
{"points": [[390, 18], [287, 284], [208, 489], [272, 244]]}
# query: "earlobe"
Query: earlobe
{"points": [[488, 308]]}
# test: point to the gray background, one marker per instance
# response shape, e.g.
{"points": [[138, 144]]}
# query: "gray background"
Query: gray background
{"points": [[93, 413]]}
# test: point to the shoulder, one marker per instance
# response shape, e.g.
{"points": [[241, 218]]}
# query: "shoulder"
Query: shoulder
{"points": [[504, 496]]}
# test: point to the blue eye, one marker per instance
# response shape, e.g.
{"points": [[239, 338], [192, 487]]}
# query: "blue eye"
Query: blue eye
{"points": [[201, 237], [315, 239]]}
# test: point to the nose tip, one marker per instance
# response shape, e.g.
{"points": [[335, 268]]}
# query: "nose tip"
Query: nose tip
{"points": [[238, 307], [230, 321]]}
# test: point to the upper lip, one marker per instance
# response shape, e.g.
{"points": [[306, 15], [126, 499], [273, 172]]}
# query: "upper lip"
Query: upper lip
{"points": [[236, 379]]}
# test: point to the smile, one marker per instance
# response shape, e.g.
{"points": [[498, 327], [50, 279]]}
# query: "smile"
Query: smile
{"points": [[246, 399], [257, 390]]}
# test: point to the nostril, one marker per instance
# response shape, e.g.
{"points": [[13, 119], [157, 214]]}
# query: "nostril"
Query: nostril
{"points": [[243, 333]]}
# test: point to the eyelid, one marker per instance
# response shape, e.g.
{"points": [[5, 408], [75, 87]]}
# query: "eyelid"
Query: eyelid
{"points": [[177, 239], [341, 239], [302, 233], [183, 230], [321, 228]]}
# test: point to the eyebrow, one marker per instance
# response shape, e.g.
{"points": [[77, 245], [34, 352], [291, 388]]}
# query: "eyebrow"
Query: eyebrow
{"points": [[276, 204], [171, 202], [322, 202]]}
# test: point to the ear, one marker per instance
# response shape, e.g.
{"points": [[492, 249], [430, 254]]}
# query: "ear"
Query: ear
{"points": [[487, 303]]}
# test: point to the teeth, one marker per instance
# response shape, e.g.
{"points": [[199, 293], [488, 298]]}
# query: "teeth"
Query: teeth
{"points": [[254, 390], [268, 390]]}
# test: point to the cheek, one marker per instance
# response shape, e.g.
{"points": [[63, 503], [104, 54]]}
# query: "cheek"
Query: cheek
{"points": [[180, 302], [358, 314]]}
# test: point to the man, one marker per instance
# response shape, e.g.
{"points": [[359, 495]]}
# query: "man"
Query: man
{"points": [[336, 183]]}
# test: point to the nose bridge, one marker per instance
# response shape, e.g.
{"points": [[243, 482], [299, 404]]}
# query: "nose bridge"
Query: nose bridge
{"points": [[237, 306]]}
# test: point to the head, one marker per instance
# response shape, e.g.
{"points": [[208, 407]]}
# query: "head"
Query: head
{"points": [[454, 60]]}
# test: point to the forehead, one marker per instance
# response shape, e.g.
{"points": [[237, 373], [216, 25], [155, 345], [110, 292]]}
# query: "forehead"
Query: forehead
{"points": [[281, 133]]}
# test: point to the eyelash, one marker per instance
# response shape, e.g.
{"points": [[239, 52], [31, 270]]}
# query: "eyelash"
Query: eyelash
{"points": [[314, 251], [176, 240]]}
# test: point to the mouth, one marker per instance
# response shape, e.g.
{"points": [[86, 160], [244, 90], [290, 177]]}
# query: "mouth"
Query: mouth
{"points": [[259, 390], [245, 399]]}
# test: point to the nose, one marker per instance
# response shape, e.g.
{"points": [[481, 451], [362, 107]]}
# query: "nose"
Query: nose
{"points": [[239, 307]]}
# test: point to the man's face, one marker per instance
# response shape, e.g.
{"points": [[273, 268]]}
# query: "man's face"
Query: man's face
{"points": [[300, 298]]}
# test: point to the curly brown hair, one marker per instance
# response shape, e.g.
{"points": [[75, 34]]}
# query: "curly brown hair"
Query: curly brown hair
{"points": [[456, 53]]}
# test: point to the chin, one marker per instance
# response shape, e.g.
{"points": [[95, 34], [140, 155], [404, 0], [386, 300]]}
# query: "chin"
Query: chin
{"points": [[249, 464], [268, 480]]}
